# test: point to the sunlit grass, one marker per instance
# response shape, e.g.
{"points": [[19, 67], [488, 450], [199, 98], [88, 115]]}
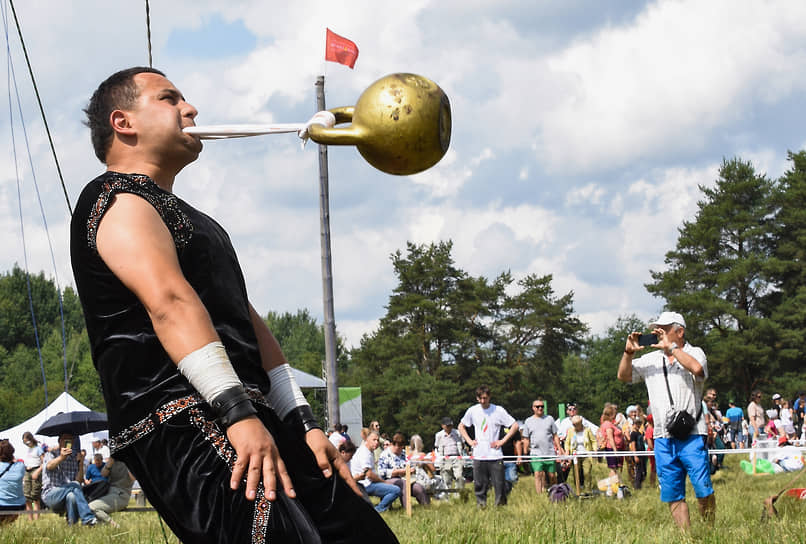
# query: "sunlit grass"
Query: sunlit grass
{"points": [[640, 518]]}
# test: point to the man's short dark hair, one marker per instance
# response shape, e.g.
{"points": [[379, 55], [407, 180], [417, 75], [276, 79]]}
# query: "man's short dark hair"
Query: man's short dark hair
{"points": [[347, 447], [117, 92], [482, 389]]}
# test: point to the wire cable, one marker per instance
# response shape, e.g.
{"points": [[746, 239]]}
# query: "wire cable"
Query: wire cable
{"points": [[148, 32], [9, 71], [39, 101], [45, 224]]}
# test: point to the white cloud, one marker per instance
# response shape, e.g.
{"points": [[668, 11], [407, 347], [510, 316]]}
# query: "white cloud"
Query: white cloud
{"points": [[592, 148], [590, 193], [447, 180], [664, 82]]}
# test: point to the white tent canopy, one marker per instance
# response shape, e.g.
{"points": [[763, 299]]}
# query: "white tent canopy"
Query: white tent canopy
{"points": [[308, 380], [63, 403]]}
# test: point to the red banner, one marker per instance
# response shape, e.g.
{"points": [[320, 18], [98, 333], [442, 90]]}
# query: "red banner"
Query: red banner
{"points": [[341, 50]]}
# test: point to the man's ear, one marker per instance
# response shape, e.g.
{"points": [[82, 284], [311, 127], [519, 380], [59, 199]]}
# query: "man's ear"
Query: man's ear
{"points": [[120, 122]]}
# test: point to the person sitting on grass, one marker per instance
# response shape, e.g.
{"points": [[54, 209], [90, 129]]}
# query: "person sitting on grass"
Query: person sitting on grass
{"points": [[363, 469], [392, 468], [61, 492], [119, 494], [11, 475], [94, 470]]}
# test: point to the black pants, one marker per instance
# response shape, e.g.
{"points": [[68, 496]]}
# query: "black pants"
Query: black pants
{"points": [[486, 473], [640, 472], [184, 466]]}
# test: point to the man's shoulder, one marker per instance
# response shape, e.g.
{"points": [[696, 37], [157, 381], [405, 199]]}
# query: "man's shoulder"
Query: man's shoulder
{"points": [[694, 351], [498, 409], [363, 450], [473, 409]]}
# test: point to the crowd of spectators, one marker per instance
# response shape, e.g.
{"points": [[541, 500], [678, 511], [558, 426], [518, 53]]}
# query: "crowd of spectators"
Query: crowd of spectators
{"points": [[537, 440], [83, 486]]}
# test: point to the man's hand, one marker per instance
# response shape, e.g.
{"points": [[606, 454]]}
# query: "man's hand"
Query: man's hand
{"points": [[664, 342], [328, 457], [496, 445], [632, 344], [257, 456]]}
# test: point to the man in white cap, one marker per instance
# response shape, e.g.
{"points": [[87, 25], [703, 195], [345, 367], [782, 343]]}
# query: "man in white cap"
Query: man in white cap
{"points": [[98, 446], [674, 375]]}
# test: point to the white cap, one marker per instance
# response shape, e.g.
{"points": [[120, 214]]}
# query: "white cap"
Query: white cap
{"points": [[776, 396], [667, 318]]}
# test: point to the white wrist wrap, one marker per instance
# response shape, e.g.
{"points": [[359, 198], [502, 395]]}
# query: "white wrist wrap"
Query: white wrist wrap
{"points": [[208, 370], [285, 394]]}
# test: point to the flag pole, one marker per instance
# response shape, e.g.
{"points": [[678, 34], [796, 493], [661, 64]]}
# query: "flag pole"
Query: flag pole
{"points": [[331, 379]]}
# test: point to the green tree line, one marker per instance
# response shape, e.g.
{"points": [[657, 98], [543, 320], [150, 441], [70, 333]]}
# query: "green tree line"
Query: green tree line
{"points": [[737, 272]]}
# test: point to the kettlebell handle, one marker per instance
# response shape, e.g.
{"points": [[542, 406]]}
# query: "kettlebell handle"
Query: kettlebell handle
{"points": [[351, 135]]}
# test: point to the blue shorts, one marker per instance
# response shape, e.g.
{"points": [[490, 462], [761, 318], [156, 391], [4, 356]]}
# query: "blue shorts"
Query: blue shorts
{"points": [[674, 458]]}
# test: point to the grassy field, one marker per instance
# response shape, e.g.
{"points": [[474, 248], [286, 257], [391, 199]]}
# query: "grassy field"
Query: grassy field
{"points": [[639, 518]]}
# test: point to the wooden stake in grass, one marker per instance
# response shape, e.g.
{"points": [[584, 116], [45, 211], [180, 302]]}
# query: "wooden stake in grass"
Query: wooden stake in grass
{"points": [[408, 481]]}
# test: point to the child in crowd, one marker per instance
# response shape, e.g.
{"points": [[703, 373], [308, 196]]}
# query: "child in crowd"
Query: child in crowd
{"points": [[637, 444]]}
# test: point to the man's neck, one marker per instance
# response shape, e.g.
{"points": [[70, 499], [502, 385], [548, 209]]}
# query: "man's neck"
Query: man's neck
{"points": [[163, 177]]}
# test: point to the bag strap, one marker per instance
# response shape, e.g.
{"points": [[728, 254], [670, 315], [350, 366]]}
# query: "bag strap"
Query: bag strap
{"points": [[666, 377], [669, 391], [7, 469]]}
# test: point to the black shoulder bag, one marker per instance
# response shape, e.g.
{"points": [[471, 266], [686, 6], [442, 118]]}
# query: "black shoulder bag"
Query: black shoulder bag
{"points": [[679, 423]]}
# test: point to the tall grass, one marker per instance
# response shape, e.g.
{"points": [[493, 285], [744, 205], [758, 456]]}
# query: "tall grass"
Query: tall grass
{"points": [[639, 518]]}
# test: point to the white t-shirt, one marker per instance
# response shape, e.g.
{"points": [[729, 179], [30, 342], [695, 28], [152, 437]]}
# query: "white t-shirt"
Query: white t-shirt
{"points": [[686, 388], [487, 424], [103, 450], [33, 457], [362, 460], [336, 439]]}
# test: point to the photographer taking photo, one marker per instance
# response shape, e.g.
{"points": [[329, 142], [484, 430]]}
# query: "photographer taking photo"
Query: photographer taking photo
{"points": [[674, 377]]}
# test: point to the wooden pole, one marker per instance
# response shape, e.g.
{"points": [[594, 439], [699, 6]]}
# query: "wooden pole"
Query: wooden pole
{"points": [[329, 325], [407, 491]]}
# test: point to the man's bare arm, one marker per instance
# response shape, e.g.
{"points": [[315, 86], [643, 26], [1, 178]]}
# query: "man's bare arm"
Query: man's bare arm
{"points": [[463, 432], [137, 247], [271, 355]]}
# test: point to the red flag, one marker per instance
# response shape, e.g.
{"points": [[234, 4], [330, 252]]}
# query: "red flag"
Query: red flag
{"points": [[341, 50]]}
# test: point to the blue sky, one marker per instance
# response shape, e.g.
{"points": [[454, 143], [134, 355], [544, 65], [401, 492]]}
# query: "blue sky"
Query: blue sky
{"points": [[582, 130]]}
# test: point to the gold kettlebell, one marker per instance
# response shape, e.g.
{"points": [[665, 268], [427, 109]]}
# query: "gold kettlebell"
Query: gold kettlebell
{"points": [[401, 124]]}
